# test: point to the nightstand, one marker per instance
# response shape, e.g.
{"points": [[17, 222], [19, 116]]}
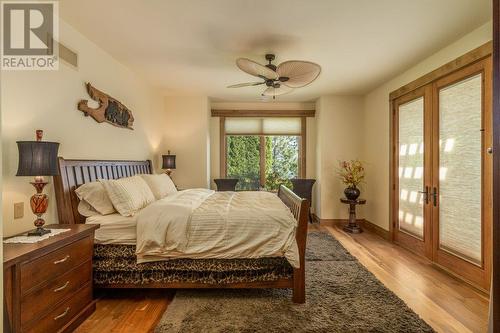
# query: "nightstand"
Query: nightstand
{"points": [[48, 284]]}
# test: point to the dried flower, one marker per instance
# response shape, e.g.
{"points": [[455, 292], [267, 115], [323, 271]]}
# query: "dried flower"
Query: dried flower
{"points": [[351, 173]]}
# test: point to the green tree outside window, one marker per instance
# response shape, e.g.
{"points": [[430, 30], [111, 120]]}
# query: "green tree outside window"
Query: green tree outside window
{"points": [[281, 161]]}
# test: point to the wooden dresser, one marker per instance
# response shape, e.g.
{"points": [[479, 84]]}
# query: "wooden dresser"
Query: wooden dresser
{"points": [[48, 284]]}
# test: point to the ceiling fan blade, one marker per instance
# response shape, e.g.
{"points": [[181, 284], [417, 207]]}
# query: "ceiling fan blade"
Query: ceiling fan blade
{"points": [[271, 91], [253, 68], [249, 84], [299, 73]]}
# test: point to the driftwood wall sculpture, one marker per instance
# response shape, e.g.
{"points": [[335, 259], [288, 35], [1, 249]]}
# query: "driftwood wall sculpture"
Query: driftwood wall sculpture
{"points": [[109, 110]]}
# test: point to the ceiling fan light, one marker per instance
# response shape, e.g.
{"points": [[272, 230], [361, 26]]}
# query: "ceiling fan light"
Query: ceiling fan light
{"points": [[282, 90]]}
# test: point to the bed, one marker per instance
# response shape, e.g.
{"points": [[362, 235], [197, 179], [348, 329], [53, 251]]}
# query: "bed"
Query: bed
{"points": [[115, 264]]}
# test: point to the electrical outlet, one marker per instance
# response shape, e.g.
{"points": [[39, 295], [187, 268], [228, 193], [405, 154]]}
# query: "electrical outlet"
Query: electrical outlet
{"points": [[18, 210]]}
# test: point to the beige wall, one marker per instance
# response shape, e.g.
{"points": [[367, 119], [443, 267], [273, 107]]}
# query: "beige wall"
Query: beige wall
{"points": [[47, 100], [339, 137], [187, 132], [214, 150], [377, 123], [1, 186], [344, 128], [215, 134]]}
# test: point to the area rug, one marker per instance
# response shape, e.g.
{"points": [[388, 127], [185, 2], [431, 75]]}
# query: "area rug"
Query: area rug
{"points": [[341, 296]]}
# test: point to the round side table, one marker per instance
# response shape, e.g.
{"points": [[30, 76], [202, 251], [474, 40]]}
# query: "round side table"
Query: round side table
{"points": [[353, 226]]}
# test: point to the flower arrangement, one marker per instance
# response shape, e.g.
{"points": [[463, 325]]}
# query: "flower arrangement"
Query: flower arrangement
{"points": [[351, 173]]}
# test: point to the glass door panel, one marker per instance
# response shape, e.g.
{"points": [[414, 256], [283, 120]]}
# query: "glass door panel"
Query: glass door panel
{"points": [[460, 166], [411, 168], [461, 172]]}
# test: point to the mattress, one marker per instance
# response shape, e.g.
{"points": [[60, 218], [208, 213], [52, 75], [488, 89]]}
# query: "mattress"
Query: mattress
{"points": [[201, 224], [114, 229]]}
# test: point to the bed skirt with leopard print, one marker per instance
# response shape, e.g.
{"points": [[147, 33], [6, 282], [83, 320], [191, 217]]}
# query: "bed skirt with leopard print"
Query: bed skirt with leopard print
{"points": [[116, 264]]}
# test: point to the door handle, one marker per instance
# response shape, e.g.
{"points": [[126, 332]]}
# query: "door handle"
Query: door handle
{"points": [[434, 196], [426, 194]]}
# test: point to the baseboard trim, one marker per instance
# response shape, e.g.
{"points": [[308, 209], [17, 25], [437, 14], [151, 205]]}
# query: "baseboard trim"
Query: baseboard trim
{"points": [[385, 234]]}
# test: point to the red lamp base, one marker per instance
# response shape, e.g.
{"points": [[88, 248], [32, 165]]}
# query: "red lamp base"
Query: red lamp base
{"points": [[39, 203]]}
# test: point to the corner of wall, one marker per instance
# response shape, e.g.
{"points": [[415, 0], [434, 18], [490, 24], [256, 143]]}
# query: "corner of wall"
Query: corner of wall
{"points": [[187, 131], [338, 137]]}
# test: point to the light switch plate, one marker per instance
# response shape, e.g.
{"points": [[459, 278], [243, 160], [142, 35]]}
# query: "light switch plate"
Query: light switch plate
{"points": [[18, 210]]}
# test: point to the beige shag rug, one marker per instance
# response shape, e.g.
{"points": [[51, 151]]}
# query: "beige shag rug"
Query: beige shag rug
{"points": [[341, 296]]}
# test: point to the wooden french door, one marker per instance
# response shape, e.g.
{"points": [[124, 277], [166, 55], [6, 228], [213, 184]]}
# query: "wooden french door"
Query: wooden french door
{"points": [[442, 181], [412, 182]]}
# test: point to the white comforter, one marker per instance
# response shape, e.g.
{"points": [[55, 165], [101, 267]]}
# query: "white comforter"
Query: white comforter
{"points": [[200, 223]]}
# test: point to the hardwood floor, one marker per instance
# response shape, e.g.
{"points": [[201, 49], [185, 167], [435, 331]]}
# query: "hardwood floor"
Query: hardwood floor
{"points": [[127, 311], [443, 301]]}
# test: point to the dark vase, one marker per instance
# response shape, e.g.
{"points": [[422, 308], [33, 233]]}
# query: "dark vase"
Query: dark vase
{"points": [[352, 193]]}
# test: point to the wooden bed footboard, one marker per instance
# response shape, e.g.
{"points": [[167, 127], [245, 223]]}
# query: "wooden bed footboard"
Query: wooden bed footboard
{"points": [[73, 173], [300, 210]]}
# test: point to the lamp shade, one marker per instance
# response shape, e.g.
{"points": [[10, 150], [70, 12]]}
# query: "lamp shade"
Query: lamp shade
{"points": [[168, 161], [37, 158]]}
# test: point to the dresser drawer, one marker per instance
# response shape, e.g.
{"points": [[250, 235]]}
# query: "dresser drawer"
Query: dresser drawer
{"points": [[55, 264], [62, 313], [50, 294]]}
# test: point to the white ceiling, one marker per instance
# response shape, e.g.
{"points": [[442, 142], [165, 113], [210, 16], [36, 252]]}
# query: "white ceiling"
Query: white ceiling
{"points": [[189, 47]]}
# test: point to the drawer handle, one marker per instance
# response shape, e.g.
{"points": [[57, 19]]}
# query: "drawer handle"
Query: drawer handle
{"points": [[62, 287], [62, 314], [60, 261]]}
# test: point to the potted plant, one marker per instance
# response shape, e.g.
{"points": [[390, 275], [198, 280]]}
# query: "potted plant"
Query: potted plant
{"points": [[351, 173]]}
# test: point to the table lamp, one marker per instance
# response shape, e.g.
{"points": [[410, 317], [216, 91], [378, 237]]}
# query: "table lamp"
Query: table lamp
{"points": [[38, 158], [168, 163]]}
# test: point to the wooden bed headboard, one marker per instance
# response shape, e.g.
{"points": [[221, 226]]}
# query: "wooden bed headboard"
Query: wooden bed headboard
{"points": [[73, 173]]}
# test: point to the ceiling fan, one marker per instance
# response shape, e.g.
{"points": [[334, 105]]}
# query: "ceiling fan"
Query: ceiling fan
{"points": [[280, 79]]}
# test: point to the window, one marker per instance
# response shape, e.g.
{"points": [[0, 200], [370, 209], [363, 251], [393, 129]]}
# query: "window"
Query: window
{"points": [[243, 161], [262, 152]]}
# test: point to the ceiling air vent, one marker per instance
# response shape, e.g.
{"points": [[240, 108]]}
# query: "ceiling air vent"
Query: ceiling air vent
{"points": [[68, 56]]}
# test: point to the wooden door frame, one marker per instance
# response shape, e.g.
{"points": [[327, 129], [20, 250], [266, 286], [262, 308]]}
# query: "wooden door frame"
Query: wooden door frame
{"points": [[495, 292], [478, 276], [421, 247]]}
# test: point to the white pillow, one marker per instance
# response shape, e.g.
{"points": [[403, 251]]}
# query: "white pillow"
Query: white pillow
{"points": [[96, 196], [161, 185], [85, 209], [128, 195]]}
